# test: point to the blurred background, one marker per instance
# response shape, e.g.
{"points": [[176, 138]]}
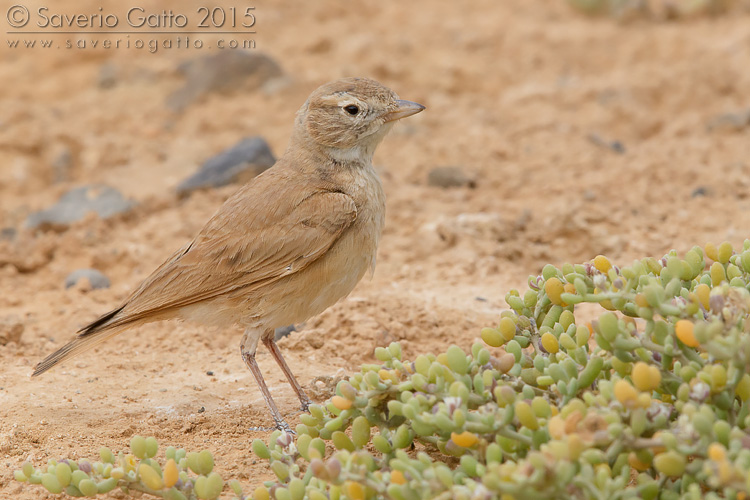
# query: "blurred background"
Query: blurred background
{"points": [[554, 131]]}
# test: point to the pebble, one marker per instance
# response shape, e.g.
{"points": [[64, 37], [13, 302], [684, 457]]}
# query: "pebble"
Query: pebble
{"points": [[730, 122], [62, 165], [96, 278], [240, 163], [476, 226], [107, 75], [614, 146], [450, 177], [73, 206], [283, 331], [699, 191], [225, 70], [8, 233]]}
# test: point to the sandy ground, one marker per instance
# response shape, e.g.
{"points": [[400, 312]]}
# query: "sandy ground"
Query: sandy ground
{"points": [[523, 96]]}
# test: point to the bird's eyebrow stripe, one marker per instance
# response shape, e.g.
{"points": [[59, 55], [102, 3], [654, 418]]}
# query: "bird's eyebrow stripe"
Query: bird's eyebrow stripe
{"points": [[333, 98]]}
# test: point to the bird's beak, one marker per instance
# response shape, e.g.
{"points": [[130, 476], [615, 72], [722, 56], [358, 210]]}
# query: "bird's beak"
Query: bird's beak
{"points": [[404, 109]]}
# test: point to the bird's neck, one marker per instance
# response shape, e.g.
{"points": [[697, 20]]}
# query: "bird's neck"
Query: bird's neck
{"points": [[306, 153], [355, 156]]}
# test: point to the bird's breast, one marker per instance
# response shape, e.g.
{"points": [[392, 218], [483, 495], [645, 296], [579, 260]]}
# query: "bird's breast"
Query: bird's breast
{"points": [[303, 294], [355, 251]]}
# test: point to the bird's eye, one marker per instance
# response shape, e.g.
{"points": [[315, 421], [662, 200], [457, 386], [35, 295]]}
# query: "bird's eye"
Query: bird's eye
{"points": [[351, 109]]}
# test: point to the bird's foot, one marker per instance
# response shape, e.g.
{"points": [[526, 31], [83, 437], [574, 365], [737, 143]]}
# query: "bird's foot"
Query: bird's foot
{"points": [[305, 405], [261, 429], [281, 425]]}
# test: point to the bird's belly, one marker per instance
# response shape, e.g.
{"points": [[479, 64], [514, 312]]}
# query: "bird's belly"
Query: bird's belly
{"points": [[302, 295], [290, 300], [322, 284]]}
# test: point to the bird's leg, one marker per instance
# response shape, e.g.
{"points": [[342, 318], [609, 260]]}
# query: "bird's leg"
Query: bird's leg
{"points": [[247, 349], [270, 343]]}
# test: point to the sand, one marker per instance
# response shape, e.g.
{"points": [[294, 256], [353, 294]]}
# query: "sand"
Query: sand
{"points": [[585, 136]]}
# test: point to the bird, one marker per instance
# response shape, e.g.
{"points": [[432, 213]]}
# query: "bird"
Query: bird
{"points": [[285, 246]]}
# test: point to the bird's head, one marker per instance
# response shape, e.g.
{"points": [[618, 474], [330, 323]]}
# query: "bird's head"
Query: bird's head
{"points": [[349, 117]]}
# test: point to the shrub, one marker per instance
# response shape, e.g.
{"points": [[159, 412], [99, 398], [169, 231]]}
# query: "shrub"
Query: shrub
{"points": [[648, 399]]}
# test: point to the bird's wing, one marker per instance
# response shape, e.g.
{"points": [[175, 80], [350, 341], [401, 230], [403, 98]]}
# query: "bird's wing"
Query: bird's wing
{"points": [[242, 250], [242, 246]]}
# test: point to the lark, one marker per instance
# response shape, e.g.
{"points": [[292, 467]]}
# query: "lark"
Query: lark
{"points": [[285, 246]]}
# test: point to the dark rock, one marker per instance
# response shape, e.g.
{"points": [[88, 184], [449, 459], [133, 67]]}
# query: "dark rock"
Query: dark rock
{"points": [[76, 203], [223, 71], [614, 146], [283, 331], [240, 163], [97, 279], [699, 191], [450, 177]]}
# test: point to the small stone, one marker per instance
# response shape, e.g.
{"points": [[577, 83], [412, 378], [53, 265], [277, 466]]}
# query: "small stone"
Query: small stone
{"points": [[223, 71], [475, 226], [8, 233], [97, 279], [210, 373], [449, 177], [240, 163], [62, 165], [283, 331], [730, 122], [11, 329], [699, 191], [315, 340], [614, 146], [107, 75], [73, 206]]}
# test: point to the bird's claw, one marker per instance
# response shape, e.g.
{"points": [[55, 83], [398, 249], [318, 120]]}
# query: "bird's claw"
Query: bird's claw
{"points": [[305, 405], [281, 425]]}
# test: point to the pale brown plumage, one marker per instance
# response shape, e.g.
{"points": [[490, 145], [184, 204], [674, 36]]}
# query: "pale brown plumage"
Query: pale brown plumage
{"points": [[288, 244]]}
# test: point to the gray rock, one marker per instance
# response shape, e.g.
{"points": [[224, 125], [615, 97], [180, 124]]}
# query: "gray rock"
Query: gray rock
{"points": [[62, 165], [283, 331], [614, 146], [730, 122], [449, 177], [108, 74], [699, 191], [76, 203], [97, 279], [240, 163], [225, 70], [8, 233]]}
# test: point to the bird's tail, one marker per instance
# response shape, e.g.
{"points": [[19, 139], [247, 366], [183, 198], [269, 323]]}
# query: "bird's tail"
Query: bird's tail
{"points": [[89, 336]]}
